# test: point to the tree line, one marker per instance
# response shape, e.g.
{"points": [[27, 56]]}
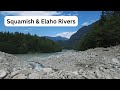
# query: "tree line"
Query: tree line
{"points": [[19, 43]]}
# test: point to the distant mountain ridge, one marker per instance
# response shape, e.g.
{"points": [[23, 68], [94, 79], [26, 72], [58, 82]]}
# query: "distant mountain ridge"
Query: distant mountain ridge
{"points": [[81, 32], [57, 38], [70, 43]]}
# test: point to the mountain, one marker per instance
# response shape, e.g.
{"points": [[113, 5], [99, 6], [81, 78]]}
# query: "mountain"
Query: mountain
{"points": [[105, 33], [70, 43], [58, 38], [81, 32]]}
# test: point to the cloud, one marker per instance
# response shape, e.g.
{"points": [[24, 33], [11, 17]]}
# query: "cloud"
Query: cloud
{"points": [[76, 14], [85, 24], [72, 13], [26, 30], [66, 34], [69, 14], [32, 13], [39, 13], [88, 23]]}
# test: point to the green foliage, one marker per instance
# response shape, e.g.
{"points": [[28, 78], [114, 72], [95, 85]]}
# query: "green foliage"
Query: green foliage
{"points": [[18, 43], [65, 44], [105, 33]]}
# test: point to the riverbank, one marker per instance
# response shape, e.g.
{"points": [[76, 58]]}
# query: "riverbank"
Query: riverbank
{"points": [[98, 63]]}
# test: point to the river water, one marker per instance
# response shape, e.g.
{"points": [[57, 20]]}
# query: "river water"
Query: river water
{"points": [[29, 56], [34, 56]]}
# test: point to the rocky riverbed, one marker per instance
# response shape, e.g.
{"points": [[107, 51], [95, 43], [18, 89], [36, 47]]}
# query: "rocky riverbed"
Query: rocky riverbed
{"points": [[98, 63]]}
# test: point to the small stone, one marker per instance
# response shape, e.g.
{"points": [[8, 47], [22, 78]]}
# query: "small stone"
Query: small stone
{"points": [[80, 71], [34, 76], [75, 72], [98, 73], [108, 76], [1, 58], [115, 60], [2, 73], [47, 70]]}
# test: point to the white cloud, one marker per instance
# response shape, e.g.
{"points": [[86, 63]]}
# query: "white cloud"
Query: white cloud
{"points": [[85, 24], [66, 34], [69, 14], [76, 14], [26, 30], [73, 13], [88, 23], [76, 11], [92, 20], [32, 13]]}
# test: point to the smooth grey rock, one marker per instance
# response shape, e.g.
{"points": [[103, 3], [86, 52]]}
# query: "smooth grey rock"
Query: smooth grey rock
{"points": [[75, 72], [115, 60], [25, 72], [47, 70], [98, 74], [34, 76], [2, 73]]}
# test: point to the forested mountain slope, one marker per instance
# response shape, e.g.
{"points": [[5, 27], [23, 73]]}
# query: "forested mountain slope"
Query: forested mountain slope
{"points": [[105, 33]]}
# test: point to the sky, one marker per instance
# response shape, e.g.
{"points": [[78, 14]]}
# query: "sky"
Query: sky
{"points": [[84, 19]]}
